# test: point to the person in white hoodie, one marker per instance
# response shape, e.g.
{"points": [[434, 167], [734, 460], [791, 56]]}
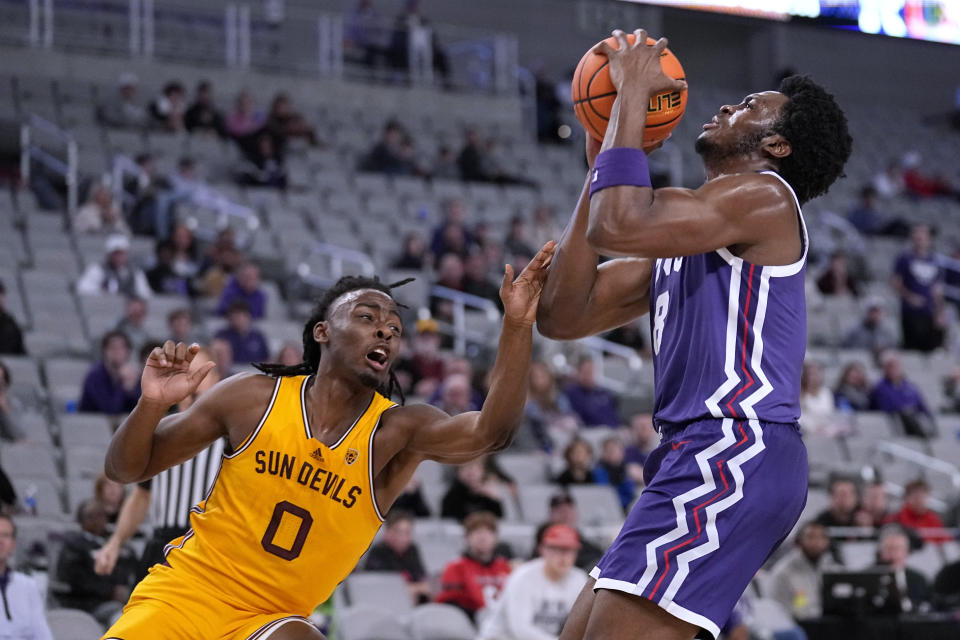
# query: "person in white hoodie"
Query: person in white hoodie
{"points": [[22, 616], [539, 594]]}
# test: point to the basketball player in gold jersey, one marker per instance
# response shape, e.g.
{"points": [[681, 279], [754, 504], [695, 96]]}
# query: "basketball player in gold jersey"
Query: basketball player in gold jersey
{"points": [[316, 456]]}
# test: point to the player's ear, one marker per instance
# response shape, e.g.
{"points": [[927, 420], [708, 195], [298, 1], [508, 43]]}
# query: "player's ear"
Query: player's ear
{"points": [[776, 146], [321, 332]]}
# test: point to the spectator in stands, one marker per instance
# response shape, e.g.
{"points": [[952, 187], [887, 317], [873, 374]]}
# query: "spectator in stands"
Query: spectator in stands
{"points": [[422, 370], [113, 384], [100, 214], [547, 409], [544, 226], [167, 110], [223, 355], [11, 338], [917, 184], [223, 258], [185, 251], [478, 574], [917, 516], [452, 235], [115, 275], [183, 187], [917, 280], [134, 323], [411, 500], [456, 395], [290, 354], [203, 116], [124, 110], [388, 155], [872, 333], [163, 277], [476, 278], [896, 395], [873, 509], [517, 243], [141, 190], [894, 548], [563, 510], [579, 458], [475, 165], [247, 343], [852, 392], [445, 165], [643, 439], [110, 495], [10, 410], [398, 553], [264, 164], [817, 414], [245, 285], [414, 255], [450, 275], [78, 586], [244, 120], [538, 594], [180, 327], [285, 123], [870, 221], [836, 280], [412, 34], [594, 405], [364, 31], [472, 490], [843, 504], [22, 599], [633, 334], [889, 182], [612, 470], [796, 581], [946, 587]]}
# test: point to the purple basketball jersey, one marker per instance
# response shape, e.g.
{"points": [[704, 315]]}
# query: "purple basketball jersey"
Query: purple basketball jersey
{"points": [[728, 337]]}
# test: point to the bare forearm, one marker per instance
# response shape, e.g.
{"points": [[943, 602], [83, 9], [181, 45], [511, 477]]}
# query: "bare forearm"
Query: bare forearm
{"points": [[502, 411], [132, 514], [572, 276], [132, 445]]}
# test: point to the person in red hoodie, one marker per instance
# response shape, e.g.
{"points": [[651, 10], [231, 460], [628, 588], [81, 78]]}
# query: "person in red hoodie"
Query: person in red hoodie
{"points": [[473, 580], [917, 516]]}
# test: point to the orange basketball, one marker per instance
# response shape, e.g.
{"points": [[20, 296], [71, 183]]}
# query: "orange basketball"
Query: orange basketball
{"points": [[593, 95]]}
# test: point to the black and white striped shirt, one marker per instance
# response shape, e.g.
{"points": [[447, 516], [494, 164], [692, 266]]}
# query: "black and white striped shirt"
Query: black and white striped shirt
{"points": [[176, 490]]}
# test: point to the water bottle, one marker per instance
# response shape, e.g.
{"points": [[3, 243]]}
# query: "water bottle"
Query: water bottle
{"points": [[30, 499]]}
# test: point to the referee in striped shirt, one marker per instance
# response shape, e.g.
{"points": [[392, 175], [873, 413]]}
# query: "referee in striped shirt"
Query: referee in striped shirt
{"points": [[171, 493]]}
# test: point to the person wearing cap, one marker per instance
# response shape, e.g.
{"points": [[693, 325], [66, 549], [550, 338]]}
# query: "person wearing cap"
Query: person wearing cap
{"points": [[872, 333], [563, 510], [11, 338], [123, 110], [539, 594], [472, 581], [115, 275]]}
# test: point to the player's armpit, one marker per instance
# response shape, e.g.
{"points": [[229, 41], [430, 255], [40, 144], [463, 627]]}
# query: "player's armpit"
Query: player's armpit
{"points": [[742, 209]]}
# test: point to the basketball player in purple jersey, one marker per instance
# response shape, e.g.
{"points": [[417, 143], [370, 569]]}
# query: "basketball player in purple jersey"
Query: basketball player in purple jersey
{"points": [[721, 270]]}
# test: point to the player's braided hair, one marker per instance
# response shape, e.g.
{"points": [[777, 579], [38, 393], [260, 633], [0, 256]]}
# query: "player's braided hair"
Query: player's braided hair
{"points": [[311, 348], [816, 127]]}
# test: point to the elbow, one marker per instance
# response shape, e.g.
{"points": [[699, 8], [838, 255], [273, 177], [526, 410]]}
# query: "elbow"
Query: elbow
{"points": [[118, 474], [548, 324]]}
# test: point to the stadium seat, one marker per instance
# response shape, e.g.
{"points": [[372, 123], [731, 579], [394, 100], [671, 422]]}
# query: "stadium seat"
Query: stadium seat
{"points": [[381, 589], [858, 554], [85, 429], [370, 623], [440, 622], [535, 501], [927, 560], [29, 460], [73, 624], [524, 468], [597, 504]]}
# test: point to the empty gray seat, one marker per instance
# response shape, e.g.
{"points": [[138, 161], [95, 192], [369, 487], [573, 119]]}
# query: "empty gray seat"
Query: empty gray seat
{"points": [[369, 623], [597, 504], [73, 624], [440, 622], [381, 589]]}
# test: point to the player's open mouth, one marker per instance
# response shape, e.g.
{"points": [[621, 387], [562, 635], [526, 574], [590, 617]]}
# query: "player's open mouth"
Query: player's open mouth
{"points": [[378, 358]]}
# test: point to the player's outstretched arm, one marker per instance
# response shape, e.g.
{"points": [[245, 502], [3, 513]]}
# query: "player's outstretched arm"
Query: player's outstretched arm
{"points": [[434, 435], [581, 298], [146, 442]]}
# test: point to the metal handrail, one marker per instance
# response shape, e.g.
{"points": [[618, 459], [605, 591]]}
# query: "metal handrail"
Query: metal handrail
{"points": [[600, 347], [461, 300], [30, 150], [338, 257]]}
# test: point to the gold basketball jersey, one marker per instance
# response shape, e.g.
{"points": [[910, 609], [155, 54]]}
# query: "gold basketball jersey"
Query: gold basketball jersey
{"points": [[288, 517]]}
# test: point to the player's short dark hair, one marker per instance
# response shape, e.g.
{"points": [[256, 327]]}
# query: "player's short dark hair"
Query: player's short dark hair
{"points": [[816, 128], [478, 519], [311, 348]]}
